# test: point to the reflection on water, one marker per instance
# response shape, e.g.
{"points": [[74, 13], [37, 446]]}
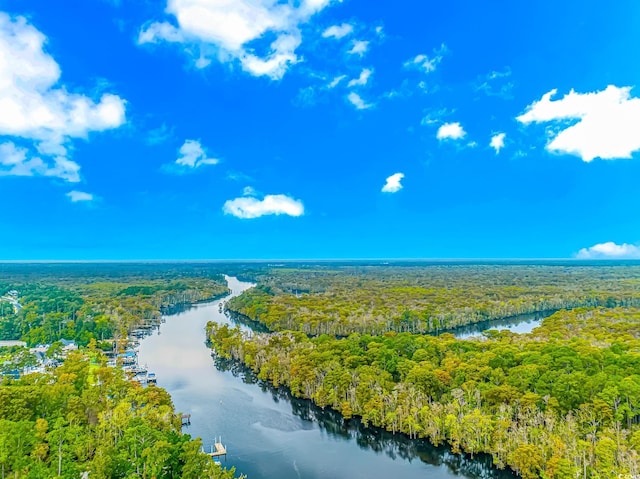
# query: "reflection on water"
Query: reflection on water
{"points": [[268, 434], [521, 324], [245, 322], [394, 446]]}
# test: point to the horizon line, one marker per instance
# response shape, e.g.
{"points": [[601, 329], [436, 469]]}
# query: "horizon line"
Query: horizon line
{"points": [[300, 260]]}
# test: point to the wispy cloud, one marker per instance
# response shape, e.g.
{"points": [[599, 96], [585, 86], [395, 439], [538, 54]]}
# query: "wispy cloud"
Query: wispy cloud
{"points": [[433, 116], [610, 250], [425, 63], [336, 81], [496, 83], [359, 47], [605, 123], [363, 79], [159, 135], [338, 31], [250, 207], [79, 196], [392, 184], [357, 101]]}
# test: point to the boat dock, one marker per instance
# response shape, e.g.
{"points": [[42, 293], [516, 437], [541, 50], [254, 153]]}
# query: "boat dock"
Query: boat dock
{"points": [[217, 450]]}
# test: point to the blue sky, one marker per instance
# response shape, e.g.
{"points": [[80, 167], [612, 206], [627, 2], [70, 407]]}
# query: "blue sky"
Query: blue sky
{"points": [[213, 129]]}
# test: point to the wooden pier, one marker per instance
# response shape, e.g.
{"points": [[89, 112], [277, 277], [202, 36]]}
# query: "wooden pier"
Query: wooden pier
{"points": [[186, 419], [217, 450]]}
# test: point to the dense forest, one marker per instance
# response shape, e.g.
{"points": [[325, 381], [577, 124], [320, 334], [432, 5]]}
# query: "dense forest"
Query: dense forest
{"points": [[418, 298], [562, 402], [87, 418], [84, 302]]}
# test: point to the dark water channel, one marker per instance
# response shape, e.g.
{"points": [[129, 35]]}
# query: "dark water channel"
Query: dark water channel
{"points": [[269, 434]]}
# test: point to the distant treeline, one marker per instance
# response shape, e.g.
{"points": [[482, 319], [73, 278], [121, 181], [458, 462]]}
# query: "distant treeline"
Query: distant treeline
{"points": [[423, 299]]}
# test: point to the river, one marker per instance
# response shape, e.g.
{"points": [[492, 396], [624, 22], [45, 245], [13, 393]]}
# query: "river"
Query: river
{"points": [[267, 433]]}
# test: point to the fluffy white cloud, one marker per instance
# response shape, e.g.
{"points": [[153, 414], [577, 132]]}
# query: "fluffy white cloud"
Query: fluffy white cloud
{"points": [[78, 196], [451, 131], [363, 79], [193, 155], [393, 184], [497, 142], [359, 47], [225, 28], [610, 250], [338, 31], [606, 124], [357, 101], [35, 108], [249, 207], [425, 63]]}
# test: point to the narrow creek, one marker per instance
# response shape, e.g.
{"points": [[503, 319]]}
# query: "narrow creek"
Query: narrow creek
{"points": [[269, 434]]}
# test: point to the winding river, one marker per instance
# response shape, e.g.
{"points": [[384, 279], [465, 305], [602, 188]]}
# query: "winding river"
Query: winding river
{"points": [[269, 434]]}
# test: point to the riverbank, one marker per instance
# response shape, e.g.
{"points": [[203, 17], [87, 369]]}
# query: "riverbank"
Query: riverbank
{"points": [[515, 397]]}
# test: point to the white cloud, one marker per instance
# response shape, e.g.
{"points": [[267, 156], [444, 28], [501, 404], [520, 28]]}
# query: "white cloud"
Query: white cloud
{"points": [[497, 142], [226, 28], [78, 196], [451, 131], [338, 31], [425, 63], [359, 47], [610, 250], [393, 184], [193, 155], [336, 81], [606, 124], [363, 79], [35, 108], [250, 207], [357, 101], [16, 161]]}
